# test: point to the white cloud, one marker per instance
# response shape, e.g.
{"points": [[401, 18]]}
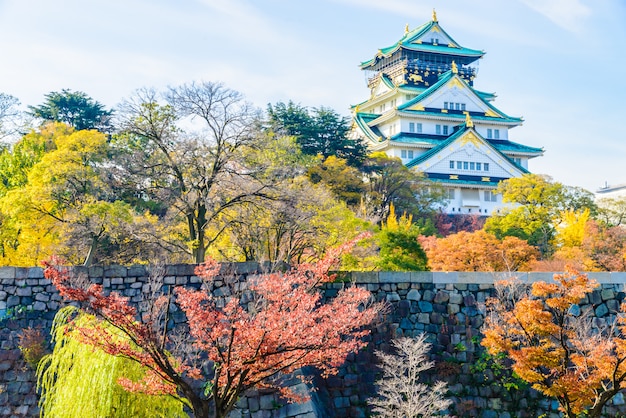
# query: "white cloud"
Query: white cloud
{"points": [[568, 14]]}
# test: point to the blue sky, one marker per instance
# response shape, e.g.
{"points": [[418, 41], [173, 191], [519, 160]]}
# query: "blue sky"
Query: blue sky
{"points": [[559, 64]]}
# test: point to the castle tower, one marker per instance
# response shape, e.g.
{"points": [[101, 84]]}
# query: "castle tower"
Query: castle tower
{"points": [[424, 109]]}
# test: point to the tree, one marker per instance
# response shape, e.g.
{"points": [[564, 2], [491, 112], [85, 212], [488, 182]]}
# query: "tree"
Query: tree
{"points": [[285, 327], [400, 395], [76, 109], [477, 251], [321, 131], [80, 380], [194, 175], [297, 226], [9, 115], [400, 249], [612, 211], [56, 200], [389, 181], [539, 203], [344, 181], [556, 348]]}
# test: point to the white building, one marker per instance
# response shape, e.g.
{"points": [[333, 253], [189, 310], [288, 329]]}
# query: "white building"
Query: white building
{"points": [[424, 109]]}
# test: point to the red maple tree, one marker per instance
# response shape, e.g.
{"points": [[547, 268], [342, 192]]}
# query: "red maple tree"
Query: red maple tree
{"points": [[277, 325]]}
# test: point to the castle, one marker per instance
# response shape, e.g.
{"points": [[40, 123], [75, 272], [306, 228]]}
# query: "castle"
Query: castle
{"points": [[424, 109]]}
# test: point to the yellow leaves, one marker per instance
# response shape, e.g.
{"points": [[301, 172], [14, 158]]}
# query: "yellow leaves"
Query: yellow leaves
{"points": [[571, 231]]}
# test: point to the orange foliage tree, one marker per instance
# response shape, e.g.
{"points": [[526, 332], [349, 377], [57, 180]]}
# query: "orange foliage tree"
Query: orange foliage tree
{"points": [[277, 325], [554, 346], [477, 251]]}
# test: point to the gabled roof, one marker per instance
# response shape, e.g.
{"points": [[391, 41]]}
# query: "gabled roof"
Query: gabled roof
{"points": [[472, 136], [362, 119], [413, 41], [503, 146], [453, 78]]}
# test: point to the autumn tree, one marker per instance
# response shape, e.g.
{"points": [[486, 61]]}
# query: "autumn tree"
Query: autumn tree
{"points": [[276, 325], [74, 108], [297, 226], [477, 251], [388, 181], [57, 200], [538, 203], [556, 348], [345, 181], [184, 149], [400, 393]]}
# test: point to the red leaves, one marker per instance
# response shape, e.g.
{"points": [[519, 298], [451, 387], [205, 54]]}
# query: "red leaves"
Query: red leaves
{"points": [[273, 323]]}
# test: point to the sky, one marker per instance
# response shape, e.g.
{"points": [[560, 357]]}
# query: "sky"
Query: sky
{"points": [[559, 64]]}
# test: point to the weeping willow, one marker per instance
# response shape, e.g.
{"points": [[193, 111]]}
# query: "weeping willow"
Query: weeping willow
{"points": [[77, 380]]}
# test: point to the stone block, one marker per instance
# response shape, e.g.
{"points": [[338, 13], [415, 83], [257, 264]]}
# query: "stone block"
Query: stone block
{"points": [[394, 277], [115, 271], [393, 297], [413, 295], [425, 306], [421, 277], [445, 277], [7, 273], [441, 297]]}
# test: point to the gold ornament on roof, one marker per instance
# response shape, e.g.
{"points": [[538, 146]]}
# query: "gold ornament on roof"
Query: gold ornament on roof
{"points": [[434, 16], [406, 29], [468, 121], [455, 69]]}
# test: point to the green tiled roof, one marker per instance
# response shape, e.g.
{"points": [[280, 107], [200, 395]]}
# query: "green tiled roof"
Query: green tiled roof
{"points": [[443, 79], [464, 179], [407, 42], [444, 143]]}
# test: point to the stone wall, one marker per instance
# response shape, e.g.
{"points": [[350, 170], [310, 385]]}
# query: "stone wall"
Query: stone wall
{"points": [[449, 307]]}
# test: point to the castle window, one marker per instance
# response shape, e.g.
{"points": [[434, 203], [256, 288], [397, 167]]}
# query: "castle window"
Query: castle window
{"points": [[450, 194], [486, 166], [496, 133], [458, 165], [411, 126], [457, 106], [419, 128], [489, 133], [445, 105], [472, 166], [463, 106], [411, 154], [490, 196], [479, 166], [438, 129], [451, 164], [403, 153], [445, 129], [465, 165]]}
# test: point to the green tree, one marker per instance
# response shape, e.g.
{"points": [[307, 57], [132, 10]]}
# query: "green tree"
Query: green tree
{"points": [[400, 249], [74, 108], [81, 380], [538, 205], [321, 131]]}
